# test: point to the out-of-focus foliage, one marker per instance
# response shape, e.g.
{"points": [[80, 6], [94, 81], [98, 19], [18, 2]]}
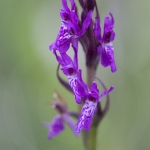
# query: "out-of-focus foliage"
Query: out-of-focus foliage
{"points": [[28, 76]]}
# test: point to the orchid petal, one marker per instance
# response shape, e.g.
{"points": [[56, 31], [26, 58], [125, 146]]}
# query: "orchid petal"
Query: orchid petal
{"points": [[59, 58], [65, 6], [108, 57], [69, 121], [93, 87], [97, 30], [106, 92], [56, 127], [86, 23]]}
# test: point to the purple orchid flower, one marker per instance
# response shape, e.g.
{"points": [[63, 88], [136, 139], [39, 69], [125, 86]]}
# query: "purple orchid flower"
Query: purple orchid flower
{"points": [[69, 30], [55, 127], [70, 69], [58, 123], [89, 108], [106, 48]]}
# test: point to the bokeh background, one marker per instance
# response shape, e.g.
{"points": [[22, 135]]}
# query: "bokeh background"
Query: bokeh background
{"points": [[28, 77]]}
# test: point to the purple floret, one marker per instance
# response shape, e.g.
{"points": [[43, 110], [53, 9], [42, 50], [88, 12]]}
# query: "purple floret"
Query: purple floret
{"points": [[106, 48], [89, 108], [69, 30], [70, 69], [58, 123]]}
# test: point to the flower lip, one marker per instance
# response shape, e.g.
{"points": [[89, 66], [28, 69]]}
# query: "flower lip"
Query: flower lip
{"points": [[57, 126]]}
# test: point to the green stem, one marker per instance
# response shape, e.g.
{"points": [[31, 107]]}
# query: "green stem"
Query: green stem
{"points": [[92, 137]]}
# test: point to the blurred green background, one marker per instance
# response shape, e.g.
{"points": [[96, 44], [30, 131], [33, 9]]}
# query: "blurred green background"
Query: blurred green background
{"points": [[28, 77]]}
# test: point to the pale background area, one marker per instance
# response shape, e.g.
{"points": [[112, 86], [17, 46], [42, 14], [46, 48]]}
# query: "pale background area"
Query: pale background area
{"points": [[28, 77]]}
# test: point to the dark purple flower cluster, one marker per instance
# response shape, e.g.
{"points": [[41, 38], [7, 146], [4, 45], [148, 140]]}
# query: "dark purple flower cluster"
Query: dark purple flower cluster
{"points": [[72, 31]]}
